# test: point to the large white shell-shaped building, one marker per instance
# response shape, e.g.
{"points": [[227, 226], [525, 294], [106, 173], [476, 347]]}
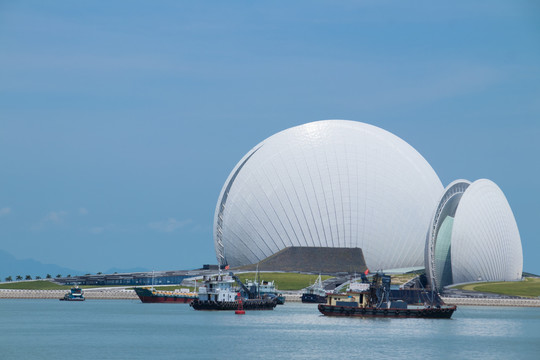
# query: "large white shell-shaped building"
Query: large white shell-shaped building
{"points": [[332, 183], [473, 236]]}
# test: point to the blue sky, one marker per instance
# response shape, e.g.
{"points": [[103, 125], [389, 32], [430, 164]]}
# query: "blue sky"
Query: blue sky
{"points": [[120, 121]]}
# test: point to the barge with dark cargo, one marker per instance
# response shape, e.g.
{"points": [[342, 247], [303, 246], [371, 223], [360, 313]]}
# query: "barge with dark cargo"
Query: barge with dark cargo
{"points": [[374, 299]]}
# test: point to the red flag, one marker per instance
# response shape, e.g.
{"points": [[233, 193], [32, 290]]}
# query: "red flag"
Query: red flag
{"points": [[367, 271]]}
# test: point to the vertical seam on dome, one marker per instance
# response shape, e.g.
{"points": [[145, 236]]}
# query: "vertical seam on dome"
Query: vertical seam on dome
{"points": [[285, 211], [277, 215], [271, 222], [255, 230], [300, 205], [341, 196], [333, 201], [240, 239], [327, 211], [308, 204], [318, 205]]}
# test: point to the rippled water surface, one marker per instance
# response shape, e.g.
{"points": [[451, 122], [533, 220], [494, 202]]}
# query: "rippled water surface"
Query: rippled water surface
{"points": [[122, 329]]}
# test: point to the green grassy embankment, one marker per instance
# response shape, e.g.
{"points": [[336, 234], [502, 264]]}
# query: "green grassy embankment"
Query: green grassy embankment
{"points": [[284, 281], [530, 287], [44, 285], [34, 285], [400, 279]]}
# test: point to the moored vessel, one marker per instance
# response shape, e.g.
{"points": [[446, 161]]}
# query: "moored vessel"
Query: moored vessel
{"points": [[315, 293], [223, 292], [151, 295], [373, 300], [75, 294], [265, 289]]}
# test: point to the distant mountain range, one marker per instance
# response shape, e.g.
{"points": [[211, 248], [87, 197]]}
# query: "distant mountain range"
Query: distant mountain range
{"points": [[11, 266]]}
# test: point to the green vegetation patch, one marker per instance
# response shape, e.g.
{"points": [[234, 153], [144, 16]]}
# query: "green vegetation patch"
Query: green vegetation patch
{"points": [[46, 285], [34, 285], [400, 279], [530, 287], [284, 281]]}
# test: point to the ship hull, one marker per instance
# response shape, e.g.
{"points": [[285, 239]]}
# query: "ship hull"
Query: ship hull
{"points": [[147, 296], [313, 298], [166, 299], [444, 312], [251, 304]]}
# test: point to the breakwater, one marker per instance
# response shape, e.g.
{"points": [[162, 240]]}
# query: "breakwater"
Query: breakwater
{"points": [[128, 294], [122, 294], [491, 302]]}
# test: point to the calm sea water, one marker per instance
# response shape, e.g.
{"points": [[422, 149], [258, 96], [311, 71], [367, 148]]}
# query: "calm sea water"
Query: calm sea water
{"points": [[122, 329]]}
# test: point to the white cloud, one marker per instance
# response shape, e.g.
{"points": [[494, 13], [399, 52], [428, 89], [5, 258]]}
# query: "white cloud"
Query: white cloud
{"points": [[55, 217], [52, 218], [169, 225], [83, 211], [5, 211]]}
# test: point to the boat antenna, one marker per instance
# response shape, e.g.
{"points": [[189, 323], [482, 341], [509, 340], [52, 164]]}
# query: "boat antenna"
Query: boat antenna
{"points": [[257, 282]]}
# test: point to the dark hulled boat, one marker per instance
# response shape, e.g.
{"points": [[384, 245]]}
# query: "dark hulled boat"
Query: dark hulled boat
{"points": [[151, 295], [440, 312], [248, 304], [264, 289], [219, 292], [373, 300], [315, 293]]}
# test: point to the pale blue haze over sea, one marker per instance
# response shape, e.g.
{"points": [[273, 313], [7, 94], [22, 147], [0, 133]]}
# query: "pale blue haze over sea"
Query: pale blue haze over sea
{"points": [[118, 329]]}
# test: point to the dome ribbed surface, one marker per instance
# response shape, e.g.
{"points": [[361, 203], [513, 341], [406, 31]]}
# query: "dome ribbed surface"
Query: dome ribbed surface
{"points": [[332, 183], [486, 244]]}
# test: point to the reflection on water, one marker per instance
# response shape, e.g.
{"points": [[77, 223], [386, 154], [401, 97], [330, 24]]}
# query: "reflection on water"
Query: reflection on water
{"points": [[116, 329]]}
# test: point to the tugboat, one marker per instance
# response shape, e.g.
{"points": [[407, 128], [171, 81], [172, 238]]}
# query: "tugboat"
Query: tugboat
{"points": [[373, 300], [265, 289], [151, 295], [219, 292], [75, 294], [315, 293]]}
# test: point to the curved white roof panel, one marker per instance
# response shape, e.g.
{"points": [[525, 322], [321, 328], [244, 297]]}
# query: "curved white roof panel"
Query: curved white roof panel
{"points": [[439, 238], [486, 245], [332, 183]]}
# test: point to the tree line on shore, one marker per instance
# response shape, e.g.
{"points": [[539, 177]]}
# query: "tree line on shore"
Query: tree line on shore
{"points": [[37, 277]]}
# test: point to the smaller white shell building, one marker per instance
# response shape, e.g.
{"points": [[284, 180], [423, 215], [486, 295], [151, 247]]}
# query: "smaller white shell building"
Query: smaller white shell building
{"points": [[473, 236]]}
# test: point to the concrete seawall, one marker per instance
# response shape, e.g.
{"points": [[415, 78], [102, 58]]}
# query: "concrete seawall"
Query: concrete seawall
{"points": [[492, 302], [123, 294], [57, 294], [128, 294]]}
